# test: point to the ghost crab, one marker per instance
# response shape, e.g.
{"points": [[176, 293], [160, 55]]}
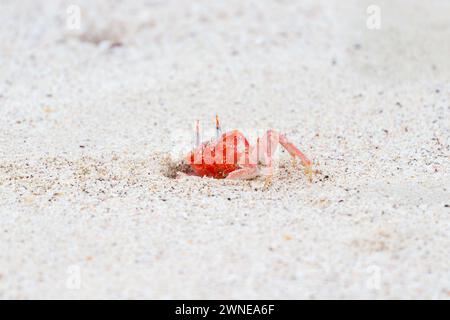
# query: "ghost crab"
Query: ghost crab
{"points": [[230, 156]]}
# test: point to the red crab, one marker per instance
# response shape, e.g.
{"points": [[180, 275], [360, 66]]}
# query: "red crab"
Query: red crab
{"points": [[231, 156]]}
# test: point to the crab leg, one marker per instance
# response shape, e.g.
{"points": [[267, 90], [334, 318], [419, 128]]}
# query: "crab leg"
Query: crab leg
{"points": [[293, 150], [265, 148]]}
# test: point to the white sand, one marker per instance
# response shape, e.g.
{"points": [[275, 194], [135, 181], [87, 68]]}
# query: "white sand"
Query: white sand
{"points": [[85, 211]]}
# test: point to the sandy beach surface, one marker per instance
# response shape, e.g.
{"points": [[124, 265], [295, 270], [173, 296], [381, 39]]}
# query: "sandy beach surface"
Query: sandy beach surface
{"points": [[93, 111]]}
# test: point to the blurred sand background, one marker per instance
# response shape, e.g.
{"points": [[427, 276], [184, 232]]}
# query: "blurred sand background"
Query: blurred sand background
{"points": [[87, 118]]}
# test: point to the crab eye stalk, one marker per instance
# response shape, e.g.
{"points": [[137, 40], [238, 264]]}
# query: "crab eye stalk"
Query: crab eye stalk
{"points": [[197, 133], [218, 128]]}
